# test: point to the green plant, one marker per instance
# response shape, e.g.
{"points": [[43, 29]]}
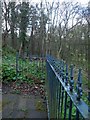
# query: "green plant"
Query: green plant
{"points": [[25, 67]]}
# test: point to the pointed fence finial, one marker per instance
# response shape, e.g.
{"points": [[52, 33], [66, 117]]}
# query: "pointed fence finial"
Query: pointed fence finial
{"points": [[79, 84], [71, 79]]}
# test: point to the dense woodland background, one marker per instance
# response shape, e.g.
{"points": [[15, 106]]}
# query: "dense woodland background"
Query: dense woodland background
{"points": [[37, 29], [61, 30]]}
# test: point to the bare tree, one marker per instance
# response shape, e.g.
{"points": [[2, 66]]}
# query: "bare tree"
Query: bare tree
{"points": [[5, 9]]}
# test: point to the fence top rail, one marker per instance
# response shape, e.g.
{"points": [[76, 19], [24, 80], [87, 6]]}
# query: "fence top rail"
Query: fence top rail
{"points": [[61, 75]]}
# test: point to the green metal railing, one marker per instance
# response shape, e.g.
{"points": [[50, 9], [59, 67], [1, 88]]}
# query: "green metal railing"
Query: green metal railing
{"points": [[63, 101]]}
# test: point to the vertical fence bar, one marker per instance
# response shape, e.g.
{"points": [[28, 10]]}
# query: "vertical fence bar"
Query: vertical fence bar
{"points": [[50, 84], [71, 90], [51, 92], [77, 114], [62, 97], [66, 83], [54, 90], [56, 98], [65, 105], [70, 110], [59, 100]]}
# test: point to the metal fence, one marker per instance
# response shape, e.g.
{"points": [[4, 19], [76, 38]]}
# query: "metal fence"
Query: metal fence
{"points": [[63, 101]]}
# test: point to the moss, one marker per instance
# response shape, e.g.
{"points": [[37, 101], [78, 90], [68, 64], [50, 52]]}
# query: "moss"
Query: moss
{"points": [[5, 102], [39, 106]]}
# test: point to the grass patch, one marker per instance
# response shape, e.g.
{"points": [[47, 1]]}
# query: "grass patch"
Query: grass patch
{"points": [[39, 106], [5, 102]]}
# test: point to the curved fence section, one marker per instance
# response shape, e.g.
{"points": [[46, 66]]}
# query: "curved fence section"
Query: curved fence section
{"points": [[63, 101]]}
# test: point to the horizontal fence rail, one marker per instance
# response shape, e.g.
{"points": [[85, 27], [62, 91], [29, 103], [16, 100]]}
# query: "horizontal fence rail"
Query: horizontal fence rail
{"points": [[63, 101]]}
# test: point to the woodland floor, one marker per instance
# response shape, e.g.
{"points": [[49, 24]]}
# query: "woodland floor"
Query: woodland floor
{"points": [[23, 101]]}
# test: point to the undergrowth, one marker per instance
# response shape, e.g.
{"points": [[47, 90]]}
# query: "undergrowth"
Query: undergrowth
{"points": [[27, 71]]}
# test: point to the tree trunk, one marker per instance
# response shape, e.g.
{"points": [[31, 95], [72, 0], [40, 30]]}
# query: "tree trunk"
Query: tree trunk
{"points": [[32, 42], [12, 37]]}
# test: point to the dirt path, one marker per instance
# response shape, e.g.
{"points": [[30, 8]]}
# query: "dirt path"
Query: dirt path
{"points": [[18, 105]]}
